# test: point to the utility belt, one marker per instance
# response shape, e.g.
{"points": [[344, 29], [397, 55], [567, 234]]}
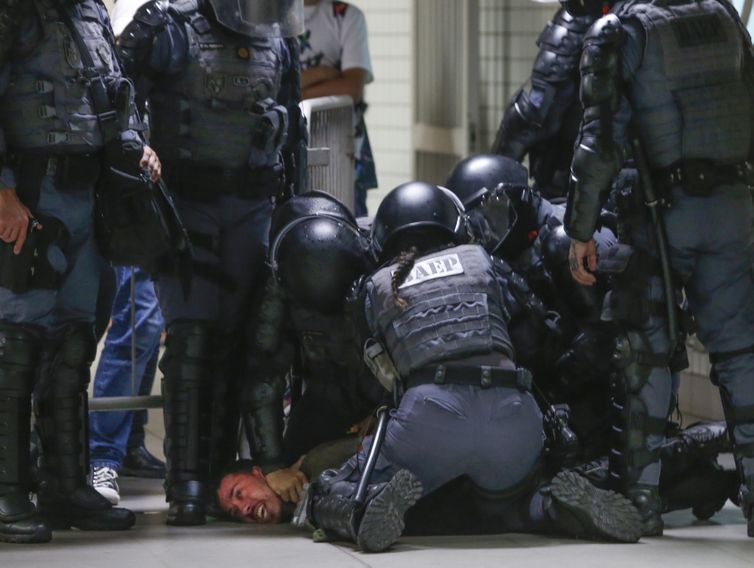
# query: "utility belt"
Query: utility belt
{"points": [[475, 375], [699, 178], [66, 170], [208, 183]]}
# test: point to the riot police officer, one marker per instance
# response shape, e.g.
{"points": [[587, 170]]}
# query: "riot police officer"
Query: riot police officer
{"points": [[543, 116], [221, 86], [572, 367], [316, 253], [677, 83], [434, 320], [58, 65]]}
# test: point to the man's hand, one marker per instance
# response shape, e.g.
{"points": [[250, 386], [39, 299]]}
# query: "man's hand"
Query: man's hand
{"points": [[151, 163], [288, 482], [14, 219], [580, 251]]}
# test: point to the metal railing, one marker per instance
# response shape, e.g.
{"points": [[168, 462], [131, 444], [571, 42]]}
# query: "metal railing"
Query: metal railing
{"points": [[331, 146]]}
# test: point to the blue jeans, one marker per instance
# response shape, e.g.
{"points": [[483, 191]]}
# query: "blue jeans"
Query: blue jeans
{"points": [[109, 431]]}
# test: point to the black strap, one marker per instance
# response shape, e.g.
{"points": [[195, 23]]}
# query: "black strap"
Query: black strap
{"points": [[106, 114], [478, 375]]}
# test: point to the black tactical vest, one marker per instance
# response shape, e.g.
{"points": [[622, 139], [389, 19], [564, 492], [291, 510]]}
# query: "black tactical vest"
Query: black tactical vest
{"points": [[454, 309], [688, 94], [47, 104], [210, 114]]}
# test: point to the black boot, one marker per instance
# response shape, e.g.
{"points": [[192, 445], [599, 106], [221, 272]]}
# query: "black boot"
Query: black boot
{"points": [[139, 462], [746, 501], [263, 419], [226, 406], [19, 357], [700, 485], [582, 510], [646, 499], [378, 522], [632, 426], [65, 498], [187, 366]]}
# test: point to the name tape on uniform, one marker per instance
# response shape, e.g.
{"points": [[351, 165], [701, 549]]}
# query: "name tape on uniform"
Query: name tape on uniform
{"points": [[432, 268]]}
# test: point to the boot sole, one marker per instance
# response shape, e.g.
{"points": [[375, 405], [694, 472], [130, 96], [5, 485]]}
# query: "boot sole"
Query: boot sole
{"points": [[65, 522], [39, 537], [597, 514], [382, 523], [192, 516]]}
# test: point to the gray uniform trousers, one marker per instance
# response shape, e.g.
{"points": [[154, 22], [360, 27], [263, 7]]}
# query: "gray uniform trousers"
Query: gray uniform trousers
{"points": [[441, 432], [711, 244], [78, 262], [239, 228]]}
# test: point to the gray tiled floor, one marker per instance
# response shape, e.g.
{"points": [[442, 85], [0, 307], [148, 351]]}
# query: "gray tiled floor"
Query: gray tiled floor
{"points": [[687, 543], [152, 544]]}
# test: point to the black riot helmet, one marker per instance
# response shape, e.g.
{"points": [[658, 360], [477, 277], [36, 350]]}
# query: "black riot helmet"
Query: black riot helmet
{"points": [[309, 203], [473, 177], [484, 183], [594, 8], [417, 206], [316, 256], [261, 18]]}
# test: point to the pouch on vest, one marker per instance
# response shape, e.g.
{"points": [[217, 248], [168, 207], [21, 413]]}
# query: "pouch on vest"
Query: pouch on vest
{"points": [[268, 133], [136, 223], [380, 364], [31, 269]]}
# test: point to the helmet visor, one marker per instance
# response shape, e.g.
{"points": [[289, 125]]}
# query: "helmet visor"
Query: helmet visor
{"points": [[261, 18]]}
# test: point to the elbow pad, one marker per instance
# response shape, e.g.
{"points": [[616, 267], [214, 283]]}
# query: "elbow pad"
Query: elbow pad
{"points": [[596, 158], [135, 43]]}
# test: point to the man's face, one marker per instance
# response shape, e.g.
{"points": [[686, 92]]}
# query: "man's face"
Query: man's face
{"points": [[246, 496]]}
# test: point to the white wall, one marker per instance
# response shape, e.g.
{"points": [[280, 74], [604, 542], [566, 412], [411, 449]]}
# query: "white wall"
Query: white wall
{"points": [[390, 24], [508, 34]]}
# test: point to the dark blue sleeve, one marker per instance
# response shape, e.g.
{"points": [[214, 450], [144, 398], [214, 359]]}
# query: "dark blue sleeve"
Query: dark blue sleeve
{"points": [[170, 50]]}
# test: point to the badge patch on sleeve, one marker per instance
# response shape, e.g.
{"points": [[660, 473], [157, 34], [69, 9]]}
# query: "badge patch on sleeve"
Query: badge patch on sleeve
{"points": [[433, 268]]}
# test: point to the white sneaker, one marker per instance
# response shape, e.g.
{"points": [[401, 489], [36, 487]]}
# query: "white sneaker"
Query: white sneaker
{"points": [[105, 481]]}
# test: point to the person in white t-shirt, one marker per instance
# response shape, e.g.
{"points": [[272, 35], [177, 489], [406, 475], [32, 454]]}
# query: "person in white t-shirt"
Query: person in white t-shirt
{"points": [[335, 61], [123, 12]]}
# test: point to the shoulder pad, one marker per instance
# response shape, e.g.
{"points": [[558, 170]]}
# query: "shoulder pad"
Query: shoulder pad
{"points": [[607, 30], [578, 24], [184, 7], [188, 11], [154, 14]]}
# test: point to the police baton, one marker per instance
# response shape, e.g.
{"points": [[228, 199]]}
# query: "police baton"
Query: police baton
{"points": [[653, 203]]}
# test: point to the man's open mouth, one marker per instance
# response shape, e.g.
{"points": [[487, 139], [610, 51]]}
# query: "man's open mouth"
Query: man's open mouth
{"points": [[260, 513]]}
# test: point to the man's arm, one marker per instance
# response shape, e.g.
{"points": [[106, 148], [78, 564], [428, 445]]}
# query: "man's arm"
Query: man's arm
{"points": [[349, 82], [536, 111], [155, 43], [599, 150]]}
